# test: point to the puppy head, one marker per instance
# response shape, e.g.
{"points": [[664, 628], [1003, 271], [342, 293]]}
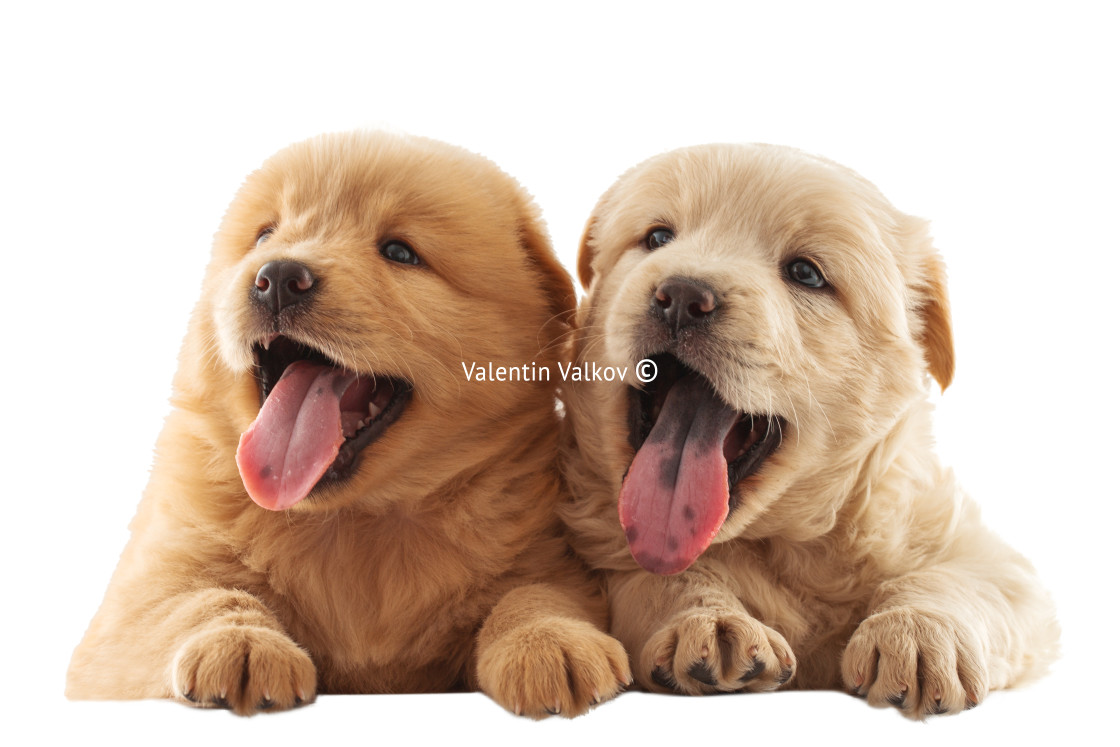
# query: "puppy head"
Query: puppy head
{"points": [[793, 315], [351, 277]]}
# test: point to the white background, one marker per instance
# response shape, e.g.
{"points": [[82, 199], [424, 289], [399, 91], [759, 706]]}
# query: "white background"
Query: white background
{"points": [[127, 129]]}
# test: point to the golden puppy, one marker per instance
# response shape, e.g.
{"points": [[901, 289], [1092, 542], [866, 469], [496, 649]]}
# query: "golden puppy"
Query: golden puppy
{"points": [[334, 507], [770, 502]]}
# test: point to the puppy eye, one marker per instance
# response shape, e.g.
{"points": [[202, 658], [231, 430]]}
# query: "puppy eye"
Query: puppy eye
{"points": [[399, 252], [658, 238], [805, 272], [264, 234]]}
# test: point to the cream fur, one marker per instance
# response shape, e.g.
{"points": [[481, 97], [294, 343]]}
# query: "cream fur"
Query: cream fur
{"points": [[853, 560]]}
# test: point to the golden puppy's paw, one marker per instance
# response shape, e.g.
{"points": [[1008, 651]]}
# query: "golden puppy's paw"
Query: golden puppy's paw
{"points": [[922, 663], [704, 650], [553, 666], [245, 669]]}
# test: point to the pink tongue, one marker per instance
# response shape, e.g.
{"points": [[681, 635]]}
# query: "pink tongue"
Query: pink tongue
{"points": [[674, 497], [296, 435]]}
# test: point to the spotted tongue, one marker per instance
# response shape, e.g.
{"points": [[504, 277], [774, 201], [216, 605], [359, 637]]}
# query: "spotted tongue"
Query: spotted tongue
{"points": [[296, 435], [674, 497]]}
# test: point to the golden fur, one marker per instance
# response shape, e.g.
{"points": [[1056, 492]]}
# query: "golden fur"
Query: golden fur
{"points": [[439, 564], [853, 559]]}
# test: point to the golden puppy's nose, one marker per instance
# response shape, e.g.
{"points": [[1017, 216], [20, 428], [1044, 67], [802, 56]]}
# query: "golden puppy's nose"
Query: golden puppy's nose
{"points": [[683, 302], [282, 283]]}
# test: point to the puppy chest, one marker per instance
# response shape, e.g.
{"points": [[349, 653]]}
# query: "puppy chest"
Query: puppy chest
{"points": [[371, 610]]}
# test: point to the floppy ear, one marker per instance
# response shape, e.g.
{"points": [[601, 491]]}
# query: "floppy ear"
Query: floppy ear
{"points": [[937, 332], [583, 263], [554, 279]]}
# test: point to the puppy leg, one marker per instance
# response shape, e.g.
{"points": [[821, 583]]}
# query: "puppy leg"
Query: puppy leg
{"points": [[939, 639], [209, 648], [690, 634], [540, 652]]}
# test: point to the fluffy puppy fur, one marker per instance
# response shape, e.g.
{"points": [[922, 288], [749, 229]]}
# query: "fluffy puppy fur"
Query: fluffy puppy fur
{"points": [[428, 557], [785, 298]]}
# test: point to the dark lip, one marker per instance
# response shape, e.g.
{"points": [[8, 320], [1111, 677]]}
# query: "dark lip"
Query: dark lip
{"points": [[645, 402], [349, 454], [269, 365]]}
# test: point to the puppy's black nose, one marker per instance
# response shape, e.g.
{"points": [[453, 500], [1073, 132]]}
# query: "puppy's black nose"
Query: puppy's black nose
{"points": [[682, 302], [282, 283]]}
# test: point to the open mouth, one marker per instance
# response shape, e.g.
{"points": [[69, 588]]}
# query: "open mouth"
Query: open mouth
{"points": [[692, 449], [316, 417]]}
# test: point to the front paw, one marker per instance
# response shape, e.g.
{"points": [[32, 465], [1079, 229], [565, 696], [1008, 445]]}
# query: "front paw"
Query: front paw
{"points": [[553, 667], [245, 669], [704, 650], [919, 662]]}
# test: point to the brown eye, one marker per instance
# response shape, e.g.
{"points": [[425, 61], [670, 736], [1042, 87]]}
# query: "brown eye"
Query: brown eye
{"points": [[264, 234], [658, 238], [400, 252], [805, 272]]}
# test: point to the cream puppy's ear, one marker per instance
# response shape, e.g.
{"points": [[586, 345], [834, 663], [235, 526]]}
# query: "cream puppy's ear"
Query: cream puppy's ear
{"points": [[929, 288], [936, 337], [586, 254]]}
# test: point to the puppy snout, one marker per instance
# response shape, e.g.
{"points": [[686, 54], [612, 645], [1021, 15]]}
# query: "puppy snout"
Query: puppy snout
{"points": [[282, 283], [682, 302]]}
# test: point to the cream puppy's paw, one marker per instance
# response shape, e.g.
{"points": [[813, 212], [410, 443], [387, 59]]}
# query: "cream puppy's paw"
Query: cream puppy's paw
{"points": [[920, 662], [553, 667], [703, 650], [245, 669]]}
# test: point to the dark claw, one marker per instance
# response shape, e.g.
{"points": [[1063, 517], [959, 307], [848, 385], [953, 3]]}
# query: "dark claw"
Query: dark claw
{"points": [[859, 694], [220, 702], [663, 678], [701, 672], [551, 712], [190, 696], [897, 700], [265, 704], [784, 675], [756, 669], [938, 709], [299, 701]]}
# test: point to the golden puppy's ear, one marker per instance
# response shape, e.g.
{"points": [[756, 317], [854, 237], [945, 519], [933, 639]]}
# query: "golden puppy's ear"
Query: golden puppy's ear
{"points": [[937, 332], [555, 280], [583, 264]]}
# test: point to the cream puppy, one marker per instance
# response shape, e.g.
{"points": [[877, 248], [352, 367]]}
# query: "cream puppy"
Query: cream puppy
{"points": [[769, 508]]}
